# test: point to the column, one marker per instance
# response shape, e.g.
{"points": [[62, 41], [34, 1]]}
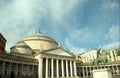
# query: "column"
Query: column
{"points": [[40, 67], [113, 70], [90, 72], [33, 71], [86, 72], [46, 68], [3, 67], [52, 70], [67, 68], [83, 71], [16, 69], [27, 70], [57, 67], [22, 73], [75, 72], [71, 71], [62, 64], [109, 67], [10, 69], [117, 70]]}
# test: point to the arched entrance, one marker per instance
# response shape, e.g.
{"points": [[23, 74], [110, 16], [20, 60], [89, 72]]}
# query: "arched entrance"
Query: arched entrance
{"points": [[12, 74]]}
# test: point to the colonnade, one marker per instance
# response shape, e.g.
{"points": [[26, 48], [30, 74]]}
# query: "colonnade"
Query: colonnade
{"points": [[17, 70], [86, 71], [57, 68]]}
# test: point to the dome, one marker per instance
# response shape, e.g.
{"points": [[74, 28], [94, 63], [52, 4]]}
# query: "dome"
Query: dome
{"points": [[38, 42], [21, 48]]}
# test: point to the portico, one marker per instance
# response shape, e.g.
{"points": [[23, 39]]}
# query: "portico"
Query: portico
{"points": [[56, 65]]}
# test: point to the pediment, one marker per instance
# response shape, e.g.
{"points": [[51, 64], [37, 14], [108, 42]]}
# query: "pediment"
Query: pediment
{"points": [[59, 51]]}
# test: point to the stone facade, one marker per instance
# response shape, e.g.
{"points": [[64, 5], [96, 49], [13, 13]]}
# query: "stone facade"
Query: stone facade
{"points": [[2, 43], [85, 67], [52, 65], [37, 56], [17, 67], [89, 55]]}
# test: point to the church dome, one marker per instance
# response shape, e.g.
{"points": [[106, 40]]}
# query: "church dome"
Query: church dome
{"points": [[39, 42], [21, 48]]}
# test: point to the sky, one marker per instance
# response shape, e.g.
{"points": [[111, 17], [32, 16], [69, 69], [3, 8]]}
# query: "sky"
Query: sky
{"points": [[78, 25]]}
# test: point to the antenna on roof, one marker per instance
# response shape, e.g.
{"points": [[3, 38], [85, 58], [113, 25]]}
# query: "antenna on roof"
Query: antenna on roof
{"points": [[37, 30]]}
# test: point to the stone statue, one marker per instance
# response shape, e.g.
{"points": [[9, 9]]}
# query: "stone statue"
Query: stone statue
{"points": [[101, 58]]}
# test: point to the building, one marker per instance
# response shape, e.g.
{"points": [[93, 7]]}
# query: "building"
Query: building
{"points": [[87, 56], [85, 62], [113, 55], [2, 43], [37, 56]]}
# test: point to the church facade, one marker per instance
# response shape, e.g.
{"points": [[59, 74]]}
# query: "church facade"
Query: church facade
{"points": [[37, 56]]}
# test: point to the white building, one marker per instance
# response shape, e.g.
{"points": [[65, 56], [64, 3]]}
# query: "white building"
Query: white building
{"points": [[85, 62], [87, 56], [38, 53], [39, 56]]}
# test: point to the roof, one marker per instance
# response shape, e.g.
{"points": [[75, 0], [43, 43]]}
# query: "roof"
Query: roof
{"points": [[38, 36], [3, 37], [37, 42], [70, 53]]}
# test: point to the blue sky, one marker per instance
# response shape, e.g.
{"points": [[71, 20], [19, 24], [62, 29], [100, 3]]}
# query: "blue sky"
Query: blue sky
{"points": [[78, 25]]}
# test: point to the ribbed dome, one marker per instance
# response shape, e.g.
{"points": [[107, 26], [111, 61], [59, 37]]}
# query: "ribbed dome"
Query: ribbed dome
{"points": [[38, 36], [21, 48], [39, 41], [22, 44]]}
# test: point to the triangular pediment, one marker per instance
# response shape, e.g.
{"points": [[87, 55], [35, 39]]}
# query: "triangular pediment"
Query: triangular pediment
{"points": [[59, 51]]}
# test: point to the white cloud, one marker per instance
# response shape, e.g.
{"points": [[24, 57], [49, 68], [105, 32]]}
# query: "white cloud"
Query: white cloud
{"points": [[110, 5], [78, 50], [60, 8], [73, 48], [82, 35], [68, 43], [17, 12], [112, 45], [113, 33], [20, 17]]}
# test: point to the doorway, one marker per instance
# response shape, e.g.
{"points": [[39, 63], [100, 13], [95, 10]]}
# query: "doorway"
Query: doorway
{"points": [[12, 74]]}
